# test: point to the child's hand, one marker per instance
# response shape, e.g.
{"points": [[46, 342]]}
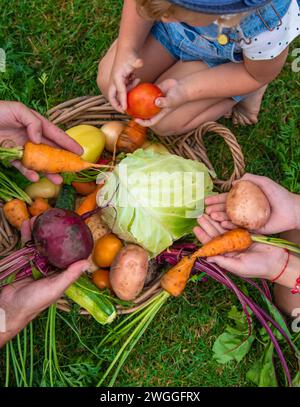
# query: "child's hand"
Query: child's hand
{"points": [[122, 78], [174, 97], [285, 207], [259, 261]]}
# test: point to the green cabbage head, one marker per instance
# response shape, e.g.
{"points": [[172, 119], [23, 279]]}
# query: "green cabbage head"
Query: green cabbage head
{"points": [[154, 199]]}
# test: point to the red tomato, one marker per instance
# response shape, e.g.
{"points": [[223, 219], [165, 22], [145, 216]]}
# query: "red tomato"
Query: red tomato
{"points": [[141, 101]]}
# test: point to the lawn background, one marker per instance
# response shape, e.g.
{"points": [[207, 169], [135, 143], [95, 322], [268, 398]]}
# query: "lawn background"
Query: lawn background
{"points": [[63, 41]]}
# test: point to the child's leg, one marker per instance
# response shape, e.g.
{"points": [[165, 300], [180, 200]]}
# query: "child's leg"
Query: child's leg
{"points": [[286, 301], [191, 115], [156, 60]]}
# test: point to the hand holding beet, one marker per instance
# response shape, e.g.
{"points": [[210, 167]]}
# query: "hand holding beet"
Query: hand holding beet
{"points": [[25, 299]]}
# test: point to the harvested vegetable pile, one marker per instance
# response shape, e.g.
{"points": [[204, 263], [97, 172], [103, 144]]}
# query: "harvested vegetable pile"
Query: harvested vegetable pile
{"points": [[137, 263]]}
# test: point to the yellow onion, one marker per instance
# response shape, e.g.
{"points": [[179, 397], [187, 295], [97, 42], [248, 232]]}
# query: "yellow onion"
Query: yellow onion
{"points": [[112, 131]]}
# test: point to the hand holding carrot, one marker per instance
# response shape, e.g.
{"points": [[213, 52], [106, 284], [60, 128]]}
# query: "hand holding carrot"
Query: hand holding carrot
{"points": [[20, 124], [259, 261], [285, 207]]}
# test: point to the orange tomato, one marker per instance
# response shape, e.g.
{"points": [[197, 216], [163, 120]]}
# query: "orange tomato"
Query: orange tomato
{"points": [[141, 101], [84, 188], [101, 279], [106, 249]]}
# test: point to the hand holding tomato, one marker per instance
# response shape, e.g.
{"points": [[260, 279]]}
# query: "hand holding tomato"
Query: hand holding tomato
{"points": [[141, 101], [174, 96]]}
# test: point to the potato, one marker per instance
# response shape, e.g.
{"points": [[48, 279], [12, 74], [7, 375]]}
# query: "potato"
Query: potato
{"points": [[247, 206], [128, 272]]}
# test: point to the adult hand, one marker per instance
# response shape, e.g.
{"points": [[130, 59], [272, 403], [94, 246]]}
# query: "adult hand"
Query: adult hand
{"points": [[123, 78], [285, 207], [174, 96], [259, 261], [19, 124], [24, 300]]}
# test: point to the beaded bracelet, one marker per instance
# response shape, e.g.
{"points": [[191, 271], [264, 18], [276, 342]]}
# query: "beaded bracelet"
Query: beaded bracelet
{"points": [[296, 289]]}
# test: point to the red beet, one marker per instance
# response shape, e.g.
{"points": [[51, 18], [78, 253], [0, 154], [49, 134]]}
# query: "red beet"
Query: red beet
{"points": [[62, 236]]}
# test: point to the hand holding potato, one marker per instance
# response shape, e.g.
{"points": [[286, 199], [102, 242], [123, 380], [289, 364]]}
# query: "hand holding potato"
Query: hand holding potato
{"points": [[285, 207]]}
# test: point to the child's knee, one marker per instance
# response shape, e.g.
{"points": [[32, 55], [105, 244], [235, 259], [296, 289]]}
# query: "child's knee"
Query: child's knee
{"points": [[165, 128], [103, 77], [104, 69]]}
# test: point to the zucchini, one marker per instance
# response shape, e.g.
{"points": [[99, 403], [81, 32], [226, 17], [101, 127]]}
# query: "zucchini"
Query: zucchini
{"points": [[66, 198], [87, 295]]}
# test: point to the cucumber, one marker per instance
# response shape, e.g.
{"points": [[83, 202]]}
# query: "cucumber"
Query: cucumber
{"points": [[66, 198], [87, 295]]}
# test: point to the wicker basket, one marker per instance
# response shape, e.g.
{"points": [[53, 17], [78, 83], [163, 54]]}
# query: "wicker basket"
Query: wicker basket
{"points": [[96, 111], [9, 236]]}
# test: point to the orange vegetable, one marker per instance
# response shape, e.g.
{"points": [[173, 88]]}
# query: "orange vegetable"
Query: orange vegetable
{"points": [[141, 101], [89, 203], [235, 240], [106, 249], [16, 212], [101, 279], [175, 279], [40, 205], [84, 188], [44, 158], [132, 137]]}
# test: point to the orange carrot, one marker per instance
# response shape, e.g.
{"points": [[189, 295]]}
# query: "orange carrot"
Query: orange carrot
{"points": [[132, 137], [44, 158], [175, 279], [16, 212], [235, 240], [89, 203], [84, 188], [40, 205]]}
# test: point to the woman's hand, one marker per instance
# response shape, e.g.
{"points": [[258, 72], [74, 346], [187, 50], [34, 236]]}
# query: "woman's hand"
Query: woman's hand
{"points": [[24, 300], [259, 261], [123, 77], [174, 96], [19, 124], [285, 207]]}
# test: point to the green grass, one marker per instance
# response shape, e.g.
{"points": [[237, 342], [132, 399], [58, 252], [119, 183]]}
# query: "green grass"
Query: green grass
{"points": [[64, 40]]}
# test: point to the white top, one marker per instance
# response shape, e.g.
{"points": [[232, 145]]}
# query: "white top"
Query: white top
{"points": [[270, 44]]}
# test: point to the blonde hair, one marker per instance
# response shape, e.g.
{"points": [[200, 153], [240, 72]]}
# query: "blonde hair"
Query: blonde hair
{"points": [[155, 9]]}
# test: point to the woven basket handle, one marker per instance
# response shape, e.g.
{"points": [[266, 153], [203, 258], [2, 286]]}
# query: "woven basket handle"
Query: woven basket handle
{"points": [[191, 145]]}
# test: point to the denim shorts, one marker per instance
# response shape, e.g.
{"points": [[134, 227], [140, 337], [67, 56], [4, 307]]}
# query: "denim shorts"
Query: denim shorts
{"points": [[182, 43]]}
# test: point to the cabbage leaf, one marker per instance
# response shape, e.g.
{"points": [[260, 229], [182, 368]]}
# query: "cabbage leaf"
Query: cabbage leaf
{"points": [[154, 199]]}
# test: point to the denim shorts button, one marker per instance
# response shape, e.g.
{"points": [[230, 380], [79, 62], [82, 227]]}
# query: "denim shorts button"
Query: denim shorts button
{"points": [[190, 35]]}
